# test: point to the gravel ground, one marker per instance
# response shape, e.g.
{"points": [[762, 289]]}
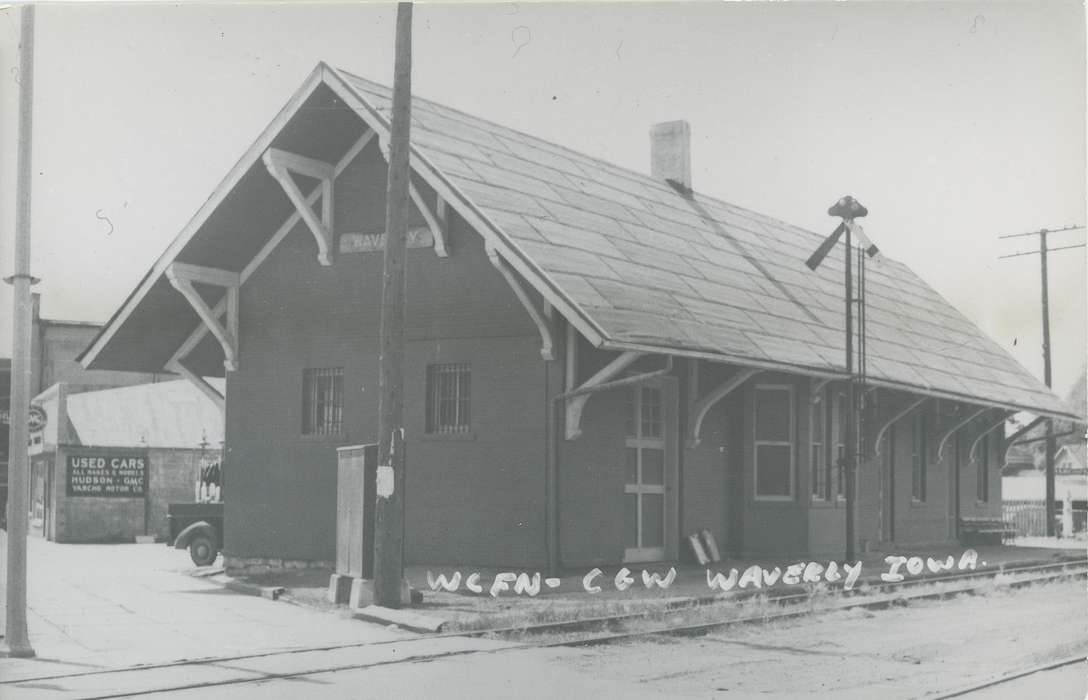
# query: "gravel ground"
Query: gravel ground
{"points": [[907, 652]]}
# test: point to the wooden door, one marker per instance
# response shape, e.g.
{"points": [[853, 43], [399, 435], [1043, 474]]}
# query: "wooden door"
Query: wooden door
{"points": [[650, 473]]}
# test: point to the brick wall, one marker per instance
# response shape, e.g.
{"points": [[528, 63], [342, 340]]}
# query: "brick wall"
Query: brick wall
{"points": [[100, 519], [171, 479], [471, 500]]}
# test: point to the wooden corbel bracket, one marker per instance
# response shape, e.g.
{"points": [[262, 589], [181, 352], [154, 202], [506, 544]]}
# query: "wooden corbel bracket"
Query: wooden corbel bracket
{"points": [[280, 165], [701, 407], [547, 344], [943, 441], [182, 276]]}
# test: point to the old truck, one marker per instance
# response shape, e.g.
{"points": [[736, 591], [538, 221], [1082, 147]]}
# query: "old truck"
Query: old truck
{"points": [[197, 527]]}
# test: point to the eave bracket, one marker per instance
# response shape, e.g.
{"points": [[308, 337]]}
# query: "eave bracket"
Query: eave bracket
{"points": [[943, 442], [437, 219], [547, 344], [280, 165], [182, 276], [702, 407], [893, 420], [576, 404], [983, 434]]}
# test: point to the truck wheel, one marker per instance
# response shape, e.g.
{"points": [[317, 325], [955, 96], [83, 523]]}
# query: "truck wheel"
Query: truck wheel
{"points": [[203, 551]]}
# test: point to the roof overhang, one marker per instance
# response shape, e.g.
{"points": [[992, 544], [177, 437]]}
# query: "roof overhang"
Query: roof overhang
{"points": [[230, 230], [246, 213], [823, 373]]}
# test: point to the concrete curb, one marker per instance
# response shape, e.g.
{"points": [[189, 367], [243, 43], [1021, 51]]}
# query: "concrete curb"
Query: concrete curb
{"points": [[405, 619], [269, 592]]}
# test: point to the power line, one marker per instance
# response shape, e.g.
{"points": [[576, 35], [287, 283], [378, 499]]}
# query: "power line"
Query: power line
{"points": [[1036, 233], [1035, 252], [1043, 253]]}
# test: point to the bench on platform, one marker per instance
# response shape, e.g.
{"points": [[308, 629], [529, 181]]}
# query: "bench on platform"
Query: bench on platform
{"points": [[985, 530]]}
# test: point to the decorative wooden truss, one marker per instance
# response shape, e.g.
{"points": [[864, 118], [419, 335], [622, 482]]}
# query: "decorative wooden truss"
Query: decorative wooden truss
{"points": [[280, 165], [703, 405], [540, 317], [437, 218], [183, 276], [984, 433], [817, 392], [943, 440], [576, 404], [895, 418]]}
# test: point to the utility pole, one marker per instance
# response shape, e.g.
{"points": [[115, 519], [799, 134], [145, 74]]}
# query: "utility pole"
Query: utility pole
{"points": [[389, 507], [18, 642], [1044, 284]]}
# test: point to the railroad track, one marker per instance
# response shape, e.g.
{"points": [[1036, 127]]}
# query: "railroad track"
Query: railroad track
{"points": [[789, 599], [267, 666], [1016, 675]]}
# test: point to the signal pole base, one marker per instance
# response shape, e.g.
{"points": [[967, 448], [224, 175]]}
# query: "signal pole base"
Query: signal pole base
{"points": [[18, 651]]}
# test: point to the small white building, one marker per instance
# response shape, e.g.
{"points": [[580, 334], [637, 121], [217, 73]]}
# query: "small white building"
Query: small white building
{"points": [[107, 462]]}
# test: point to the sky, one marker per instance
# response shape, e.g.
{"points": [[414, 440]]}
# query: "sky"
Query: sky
{"points": [[953, 123]]}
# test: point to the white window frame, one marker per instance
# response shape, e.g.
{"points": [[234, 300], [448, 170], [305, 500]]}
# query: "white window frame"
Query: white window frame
{"points": [[819, 407], [837, 474], [790, 442], [637, 441]]}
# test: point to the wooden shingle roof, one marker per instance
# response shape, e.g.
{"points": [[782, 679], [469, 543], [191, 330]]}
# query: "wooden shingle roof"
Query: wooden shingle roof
{"points": [[654, 269], [628, 260]]}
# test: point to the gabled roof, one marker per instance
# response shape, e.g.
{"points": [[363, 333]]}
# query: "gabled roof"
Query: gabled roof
{"points": [[634, 264], [165, 414], [1076, 454]]}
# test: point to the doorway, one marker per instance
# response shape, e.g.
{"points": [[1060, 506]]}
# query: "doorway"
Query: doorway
{"points": [[650, 473]]}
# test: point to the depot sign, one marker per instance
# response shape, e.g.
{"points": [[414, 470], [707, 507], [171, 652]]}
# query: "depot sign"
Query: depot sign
{"points": [[107, 475]]}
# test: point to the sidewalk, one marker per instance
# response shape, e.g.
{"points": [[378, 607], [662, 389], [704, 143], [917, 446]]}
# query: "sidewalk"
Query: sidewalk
{"points": [[106, 606]]}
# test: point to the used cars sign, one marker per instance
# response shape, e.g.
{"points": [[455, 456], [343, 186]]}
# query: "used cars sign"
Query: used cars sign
{"points": [[110, 475]]}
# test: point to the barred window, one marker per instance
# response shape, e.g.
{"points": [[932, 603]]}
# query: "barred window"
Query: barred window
{"points": [[448, 399], [919, 458], [322, 401]]}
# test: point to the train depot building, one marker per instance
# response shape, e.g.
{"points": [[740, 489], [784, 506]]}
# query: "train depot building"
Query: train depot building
{"points": [[599, 362]]}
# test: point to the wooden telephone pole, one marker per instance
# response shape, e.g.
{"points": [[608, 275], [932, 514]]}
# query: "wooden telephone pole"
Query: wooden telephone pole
{"points": [[389, 507], [15, 632], [1045, 288]]}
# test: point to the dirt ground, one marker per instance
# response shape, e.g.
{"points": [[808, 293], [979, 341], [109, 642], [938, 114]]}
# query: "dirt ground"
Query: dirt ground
{"points": [[910, 652]]}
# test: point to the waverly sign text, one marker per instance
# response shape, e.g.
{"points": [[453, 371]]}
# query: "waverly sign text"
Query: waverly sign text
{"points": [[752, 577]]}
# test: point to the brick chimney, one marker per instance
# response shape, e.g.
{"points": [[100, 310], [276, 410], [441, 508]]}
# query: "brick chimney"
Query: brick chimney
{"points": [[670, 153]]}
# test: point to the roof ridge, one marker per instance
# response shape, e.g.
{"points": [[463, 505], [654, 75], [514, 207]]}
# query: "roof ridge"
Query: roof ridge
{"points": [[640, 177]]}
